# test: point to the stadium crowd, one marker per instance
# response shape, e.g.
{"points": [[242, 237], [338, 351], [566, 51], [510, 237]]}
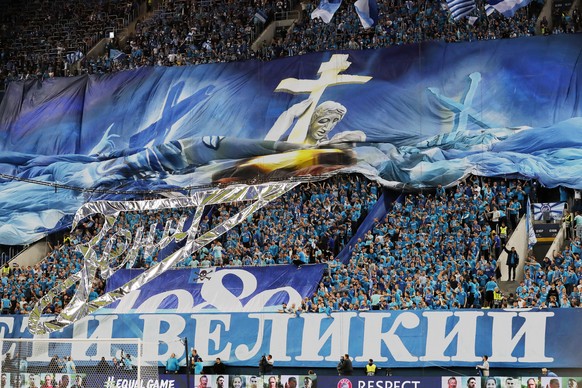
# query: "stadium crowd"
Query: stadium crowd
{"points": [[437, 250], [265, 239], [441, 252], [195, 32], [401, 22], [182, 39], [42, 39], [431, 251]]}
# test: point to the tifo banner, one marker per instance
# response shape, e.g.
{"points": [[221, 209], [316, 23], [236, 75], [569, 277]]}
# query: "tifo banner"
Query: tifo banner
{"points": [[511, 338], [416, 115], [548, 211], [223, 289]]}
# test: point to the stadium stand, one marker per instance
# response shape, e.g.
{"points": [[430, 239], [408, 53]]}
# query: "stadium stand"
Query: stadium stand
{"points": [[186, 40], [194, 32], [183, 33], [430, 251], [265, 240], [43, 39]]}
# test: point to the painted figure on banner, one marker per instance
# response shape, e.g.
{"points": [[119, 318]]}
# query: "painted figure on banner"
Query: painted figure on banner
{"points": [[314, 121], [307, 125], [427, 135]]}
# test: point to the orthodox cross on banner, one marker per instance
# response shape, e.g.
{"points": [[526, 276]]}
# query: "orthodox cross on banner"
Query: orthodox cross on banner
{"points": [[329, 75]]}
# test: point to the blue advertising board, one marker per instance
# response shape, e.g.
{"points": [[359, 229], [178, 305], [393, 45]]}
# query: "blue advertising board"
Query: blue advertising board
{"points": [[420, 338]]}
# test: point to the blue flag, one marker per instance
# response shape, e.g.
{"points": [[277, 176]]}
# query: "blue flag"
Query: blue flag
{"points": [[460, 8], [116, 54], [508, 7], [531, 234], [326, 9], [367, 11]]}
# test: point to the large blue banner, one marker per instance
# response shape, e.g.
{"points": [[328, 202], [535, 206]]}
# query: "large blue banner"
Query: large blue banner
{"points": [[415, 115], [222, 289], [511, 338]]}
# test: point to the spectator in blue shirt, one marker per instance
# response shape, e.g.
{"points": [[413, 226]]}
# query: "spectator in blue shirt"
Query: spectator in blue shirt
{"points": [[172, 365]]}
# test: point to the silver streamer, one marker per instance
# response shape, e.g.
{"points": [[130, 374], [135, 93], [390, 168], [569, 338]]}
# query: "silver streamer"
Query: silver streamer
{"points": [[80, 306]]}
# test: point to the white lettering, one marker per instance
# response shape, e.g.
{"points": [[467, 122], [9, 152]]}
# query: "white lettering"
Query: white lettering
{"points": [[243, 351], [203, 336], [278, 341], [374, 337], [518, 336], [151, 383], [152, 331], [87, 249], [7, 326], [215, 294], [465, 331], [40, 349], [154, 383], [387, 383], [221, 297], [166, 383], [338, 332], [79, 349], [532, 332]]}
